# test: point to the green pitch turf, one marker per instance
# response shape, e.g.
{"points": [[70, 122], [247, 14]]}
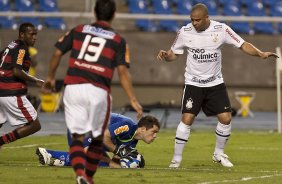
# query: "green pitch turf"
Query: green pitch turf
{"points": [[257, 158]]}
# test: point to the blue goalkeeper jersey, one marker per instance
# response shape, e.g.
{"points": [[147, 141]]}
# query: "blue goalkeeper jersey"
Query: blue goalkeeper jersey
{"points": [[122, 130]]}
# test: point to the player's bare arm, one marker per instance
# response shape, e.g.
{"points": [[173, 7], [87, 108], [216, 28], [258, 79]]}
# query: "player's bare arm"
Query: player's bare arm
{"points": [[108, 142], [166, 56], [126, 83], [253, 51], [54, 63], [26, 77]]}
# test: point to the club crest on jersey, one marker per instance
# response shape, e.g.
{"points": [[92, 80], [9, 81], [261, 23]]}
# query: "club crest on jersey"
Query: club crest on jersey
{"points": [[121, 129], [215, 37], [189, 104]]}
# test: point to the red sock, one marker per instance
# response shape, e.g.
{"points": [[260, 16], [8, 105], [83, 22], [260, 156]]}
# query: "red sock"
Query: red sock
{"points": [[77, 157], [9, 137]]}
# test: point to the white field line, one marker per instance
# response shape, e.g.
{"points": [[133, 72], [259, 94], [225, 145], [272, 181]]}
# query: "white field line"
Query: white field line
{"points": [[30, 146], [243, 179]]}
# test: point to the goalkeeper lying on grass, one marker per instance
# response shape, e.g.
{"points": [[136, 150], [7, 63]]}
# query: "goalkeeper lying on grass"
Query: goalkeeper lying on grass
{"points": [[120, 138]]}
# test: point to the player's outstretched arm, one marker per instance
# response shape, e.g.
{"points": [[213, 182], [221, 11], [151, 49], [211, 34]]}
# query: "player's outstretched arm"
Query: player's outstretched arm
{"points": [[126, 83], [253, 51], [166, 56], [53, 65]]}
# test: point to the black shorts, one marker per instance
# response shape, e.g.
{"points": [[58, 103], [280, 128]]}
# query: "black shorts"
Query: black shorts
{"points": [[213, 100]]}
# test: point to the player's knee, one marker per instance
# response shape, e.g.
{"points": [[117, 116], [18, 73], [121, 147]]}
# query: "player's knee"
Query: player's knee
{"points": [[226, 120], [35, 125]]}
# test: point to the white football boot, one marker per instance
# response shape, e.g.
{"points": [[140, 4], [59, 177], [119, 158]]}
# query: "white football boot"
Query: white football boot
{"points": [[222, 159], [174, 164], [43, 156]]}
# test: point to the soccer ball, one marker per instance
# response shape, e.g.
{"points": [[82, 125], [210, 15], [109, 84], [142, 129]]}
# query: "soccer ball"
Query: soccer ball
{"points": [[132, 162]]}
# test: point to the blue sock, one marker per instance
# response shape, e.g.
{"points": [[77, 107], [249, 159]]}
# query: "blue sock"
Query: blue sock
{"points": [[61, 155]]}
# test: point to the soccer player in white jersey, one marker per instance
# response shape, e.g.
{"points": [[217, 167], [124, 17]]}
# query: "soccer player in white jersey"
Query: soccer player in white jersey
{"points": [[204, 85]]}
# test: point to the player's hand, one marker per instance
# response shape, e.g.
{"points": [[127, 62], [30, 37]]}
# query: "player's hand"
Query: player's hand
{"points": [[162, 55], [49, 86], [137, 107], [266, 55], [124, 151]]}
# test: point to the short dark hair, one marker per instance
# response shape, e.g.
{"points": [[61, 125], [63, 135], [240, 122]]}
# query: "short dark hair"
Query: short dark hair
{"points": [[24, 27], [105, 9], [148, 122]]}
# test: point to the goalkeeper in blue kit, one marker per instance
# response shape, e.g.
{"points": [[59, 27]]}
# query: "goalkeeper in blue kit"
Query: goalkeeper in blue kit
{"points": [[120, 138]]}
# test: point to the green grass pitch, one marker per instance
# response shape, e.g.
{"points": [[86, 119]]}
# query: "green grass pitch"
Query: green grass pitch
{"points": [[257, 158]]}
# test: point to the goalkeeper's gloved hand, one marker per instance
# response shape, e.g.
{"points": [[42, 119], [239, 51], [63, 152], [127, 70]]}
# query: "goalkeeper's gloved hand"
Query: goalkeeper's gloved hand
{"points": [[124, 151]]}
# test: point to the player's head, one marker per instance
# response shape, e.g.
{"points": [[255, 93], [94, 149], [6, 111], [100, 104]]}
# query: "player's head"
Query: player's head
{"points": [[27, 33], [200, 17], [105, 10], [148, 127]]}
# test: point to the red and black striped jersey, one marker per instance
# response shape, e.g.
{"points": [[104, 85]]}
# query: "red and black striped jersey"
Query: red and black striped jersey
{"points": [[96, 49], [15, 55]]}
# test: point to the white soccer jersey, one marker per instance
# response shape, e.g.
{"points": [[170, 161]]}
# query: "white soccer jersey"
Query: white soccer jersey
{"points": [[203, 65]]}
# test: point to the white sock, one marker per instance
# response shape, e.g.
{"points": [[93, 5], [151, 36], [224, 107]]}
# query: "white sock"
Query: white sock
{"points": [[181, 138], [222, 133]]}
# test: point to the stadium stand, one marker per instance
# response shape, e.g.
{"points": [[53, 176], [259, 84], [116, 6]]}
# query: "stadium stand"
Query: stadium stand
{"points": [[51, 22], [256, 8], [28, 6], [276, 10], [164, 7], [6, 22], [140, 7], [232, 9]]}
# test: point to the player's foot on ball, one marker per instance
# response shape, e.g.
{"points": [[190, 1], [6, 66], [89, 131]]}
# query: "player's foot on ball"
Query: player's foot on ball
{"points": [[222, 159], [174, 164], [43, 156]]}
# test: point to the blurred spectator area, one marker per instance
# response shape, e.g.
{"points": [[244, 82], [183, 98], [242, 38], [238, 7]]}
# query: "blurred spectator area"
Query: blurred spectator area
{"points": [[263, 8], [31, 6], [239, 8]]}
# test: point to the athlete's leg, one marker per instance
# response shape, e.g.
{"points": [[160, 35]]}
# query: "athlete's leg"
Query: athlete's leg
{"points": [[21, 132], [181, 138]]}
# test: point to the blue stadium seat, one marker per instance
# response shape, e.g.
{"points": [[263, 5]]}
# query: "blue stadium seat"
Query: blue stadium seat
{"points": [[224, 2], [24, 5], [164, 7], [184, 7], [257, 9], [55, 23], [48, 5], [269, 3], [233, 9], [6, 22], [5, 5], [140, 6], [276, 11], [51, 22], [246, 2]]}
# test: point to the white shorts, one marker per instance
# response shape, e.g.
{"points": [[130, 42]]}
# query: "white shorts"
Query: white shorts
{"points": [[87, 108], [17, 110]]}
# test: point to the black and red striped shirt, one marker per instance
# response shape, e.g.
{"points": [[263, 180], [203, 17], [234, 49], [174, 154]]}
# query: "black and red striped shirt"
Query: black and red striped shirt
{"points": [[96, 49], [15, 55]]}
